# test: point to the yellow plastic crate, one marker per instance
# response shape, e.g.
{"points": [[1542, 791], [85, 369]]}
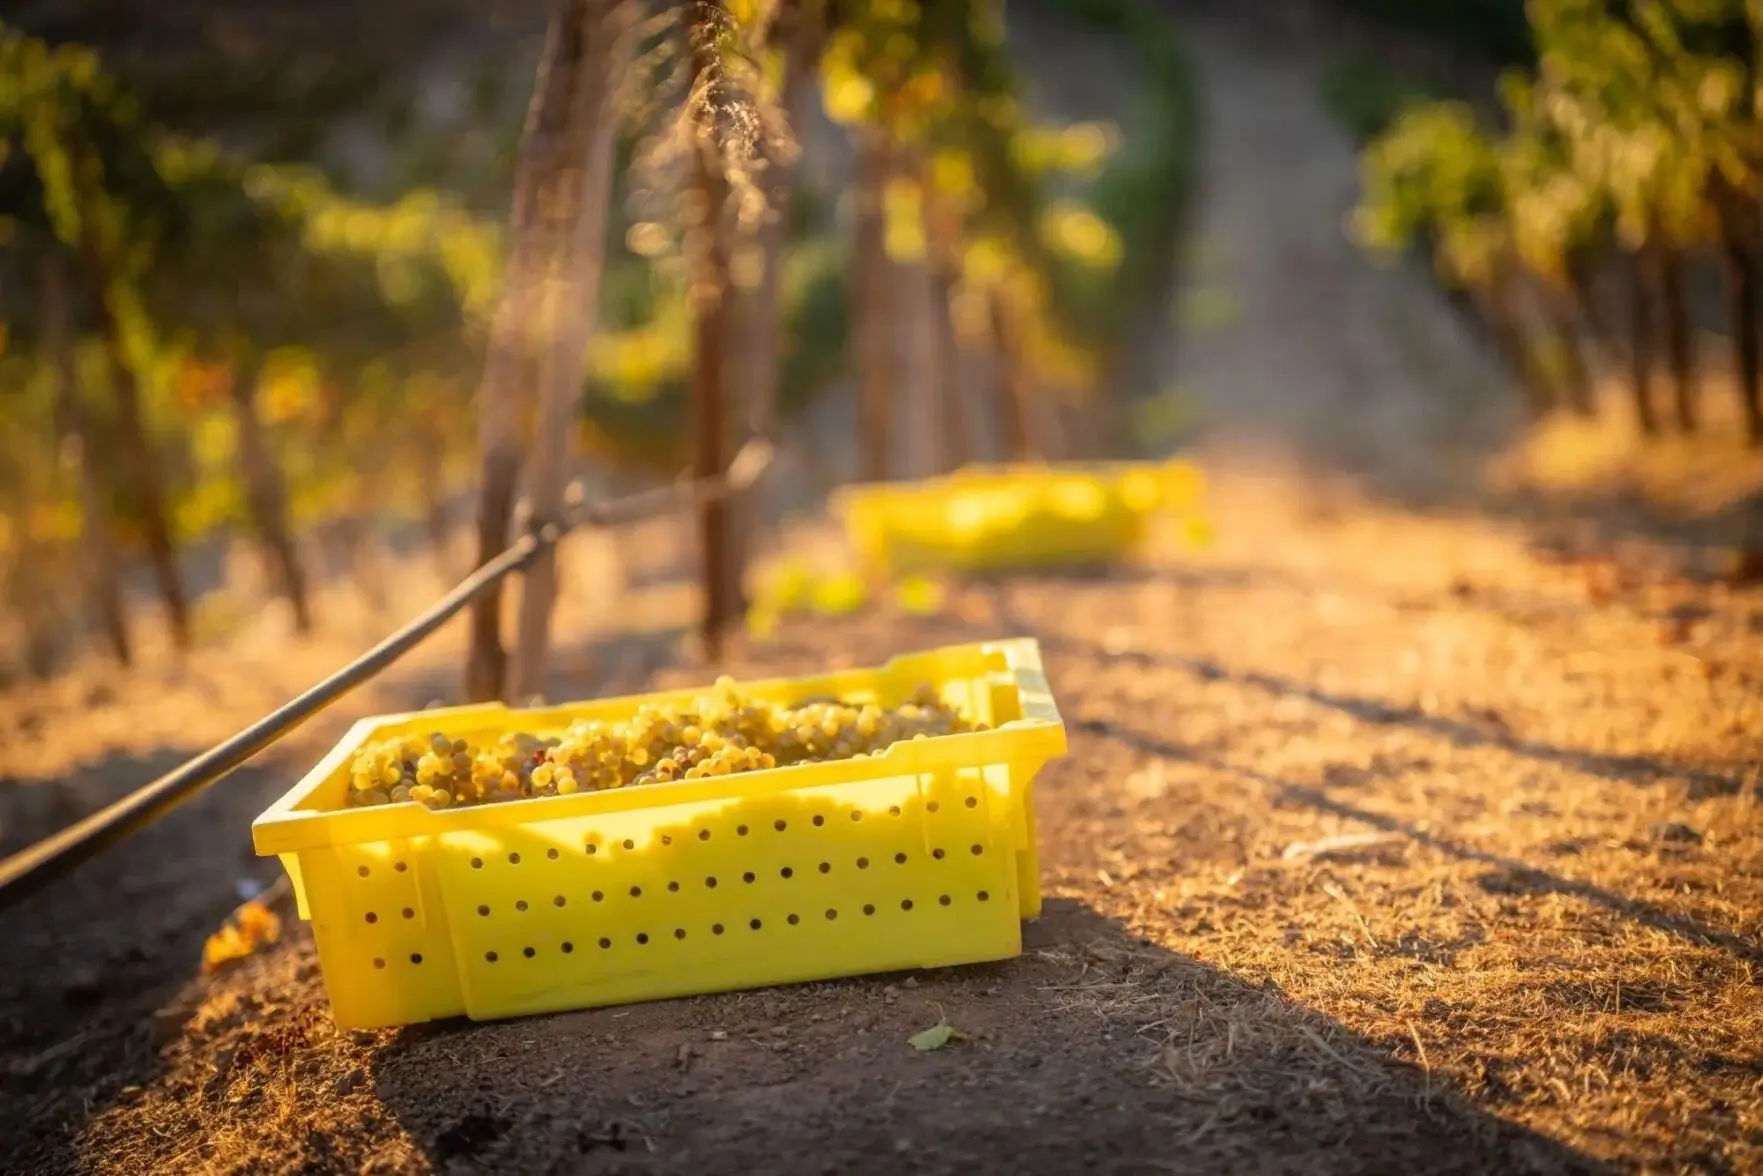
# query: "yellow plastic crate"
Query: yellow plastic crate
{"points": [[922, 856], [996, 517]]}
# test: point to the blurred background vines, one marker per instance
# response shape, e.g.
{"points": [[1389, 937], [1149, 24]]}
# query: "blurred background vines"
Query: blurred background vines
{"points": [[1586, 176], [256, 267]]}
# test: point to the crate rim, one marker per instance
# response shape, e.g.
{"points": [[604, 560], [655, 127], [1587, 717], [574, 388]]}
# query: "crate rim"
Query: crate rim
{"points": [[284, 828]]}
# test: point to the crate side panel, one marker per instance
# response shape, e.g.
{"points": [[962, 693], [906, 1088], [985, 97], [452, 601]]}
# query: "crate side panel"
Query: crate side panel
{"points": [[823, 882], [382, 935]]}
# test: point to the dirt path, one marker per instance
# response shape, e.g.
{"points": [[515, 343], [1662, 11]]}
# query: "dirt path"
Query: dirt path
{"points": [[1295, 348], [1538, 950]]}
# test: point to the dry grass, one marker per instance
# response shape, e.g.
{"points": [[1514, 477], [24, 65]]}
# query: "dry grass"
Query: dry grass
{"points": [[1607, 458], [1534, 944]]}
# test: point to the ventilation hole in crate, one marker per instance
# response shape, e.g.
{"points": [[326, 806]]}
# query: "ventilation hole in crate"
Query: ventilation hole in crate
{"points": [[932, 807], [490, 957], [673, 887], [642, 937], [703, 835], [900, 859], [869, 908], [363, 871], [978, 849], [552, 854], [372, 918], [598, 896], [528, 952], [819, 820], [755, 924], [679, 932], [568, 947], [559, 901], [786, 873], [710, 883], [863, 863], [945, 900], [636, 892], [483, 908], [747, 877], [605, 942], [793, 920], [856, 815], [520, 904], [514, 859], [477, 863], [826, 867], [400, 867], [780, 824], [831, 914], [716, 928], [905, 904], [628, 843], [740, 830], [971, 802], [408, 913], [984, 896], [937, 853], [893, 810], [378, 962], [590, 849], [416, 957]]}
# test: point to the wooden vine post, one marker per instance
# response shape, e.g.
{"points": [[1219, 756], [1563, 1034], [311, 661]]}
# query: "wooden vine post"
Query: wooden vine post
{"points": [[707, 260], [551, 167], [575, 227]]}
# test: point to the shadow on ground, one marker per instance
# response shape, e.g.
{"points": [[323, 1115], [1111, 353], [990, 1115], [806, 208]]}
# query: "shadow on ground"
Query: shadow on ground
{"points": [[96, 959], [1489, 730], [91, 957], [1094, 1052]]}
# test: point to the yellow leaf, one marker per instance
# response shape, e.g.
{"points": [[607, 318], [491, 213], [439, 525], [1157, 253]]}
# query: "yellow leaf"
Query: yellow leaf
{"points": [[252, 928], [919, 597], [847, 95], [936, 1037], [839, 594], [762, 623]]}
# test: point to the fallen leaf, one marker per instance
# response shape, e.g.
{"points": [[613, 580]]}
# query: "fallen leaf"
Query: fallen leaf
{"points": [[936, 1037], [252, 928], [839, 594], [762, 622], [919, 597]]}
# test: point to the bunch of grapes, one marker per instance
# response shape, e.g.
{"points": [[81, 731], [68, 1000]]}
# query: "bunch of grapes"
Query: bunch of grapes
{"points": [[432, 771], [504, 770], [721, 732]]}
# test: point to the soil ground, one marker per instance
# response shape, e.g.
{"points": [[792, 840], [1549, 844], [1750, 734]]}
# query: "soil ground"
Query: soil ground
{"points": [[1540, 719]]}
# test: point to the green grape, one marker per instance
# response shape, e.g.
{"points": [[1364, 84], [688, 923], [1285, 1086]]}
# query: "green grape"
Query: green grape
{"points": [[719, 733]]}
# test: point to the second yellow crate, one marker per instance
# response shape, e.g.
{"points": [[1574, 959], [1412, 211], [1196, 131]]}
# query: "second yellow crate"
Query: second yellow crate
{"points": [[985, 518], [919, 857]]}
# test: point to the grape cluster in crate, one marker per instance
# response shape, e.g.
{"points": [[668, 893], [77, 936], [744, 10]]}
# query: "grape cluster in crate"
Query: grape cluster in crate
{"points": [[721, 732]]}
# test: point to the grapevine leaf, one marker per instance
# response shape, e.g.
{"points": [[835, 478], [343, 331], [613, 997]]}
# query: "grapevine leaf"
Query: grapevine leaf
{"points": [[936, 1037]]}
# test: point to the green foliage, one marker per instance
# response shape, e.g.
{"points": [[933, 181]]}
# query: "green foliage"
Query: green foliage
{"points": [[1435, 174], [1634, 113], [356, 323]]}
